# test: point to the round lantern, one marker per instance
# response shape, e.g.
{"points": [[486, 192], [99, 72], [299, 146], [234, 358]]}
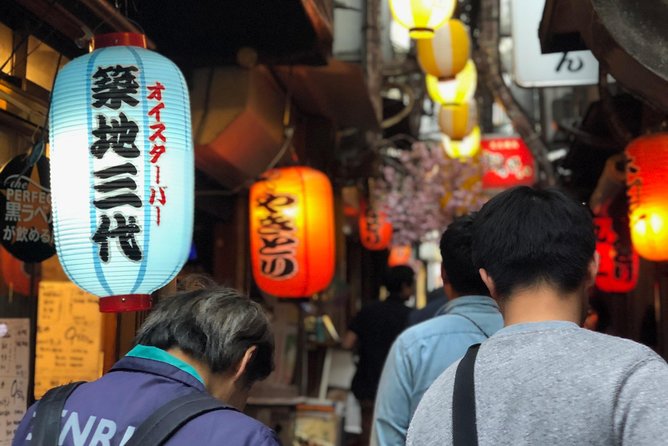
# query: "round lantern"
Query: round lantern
{"points": [[375, 229], [292, 232], [400, 255], [454, 91], [458, 120], [422, 17], [122, 170], [619, 263], [465, 148], [447, 53], [647, 189]]}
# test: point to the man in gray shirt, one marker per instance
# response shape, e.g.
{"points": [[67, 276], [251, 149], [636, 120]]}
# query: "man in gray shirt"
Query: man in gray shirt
{"points": [[543, 380]]}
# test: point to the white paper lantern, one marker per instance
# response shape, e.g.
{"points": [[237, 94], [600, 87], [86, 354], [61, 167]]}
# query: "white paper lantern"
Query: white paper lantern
{"points": [[122, 170]]}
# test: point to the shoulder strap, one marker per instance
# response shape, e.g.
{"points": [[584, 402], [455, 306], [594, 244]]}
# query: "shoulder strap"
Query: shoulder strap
{"points": [[464, 430], [169, 418], [48, 414]]}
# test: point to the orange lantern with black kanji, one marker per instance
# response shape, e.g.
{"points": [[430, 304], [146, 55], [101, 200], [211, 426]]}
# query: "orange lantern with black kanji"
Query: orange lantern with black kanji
{"points": [[619, 263], [375, 229], [292, 232], [400, 255], [647, 189]]}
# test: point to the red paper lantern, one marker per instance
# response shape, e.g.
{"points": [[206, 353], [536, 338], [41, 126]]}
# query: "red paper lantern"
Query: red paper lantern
{"points": [[375, 229], [292, 232], [619, 263], [507, 162], [400, 255], [14, 273], [647, 189]]}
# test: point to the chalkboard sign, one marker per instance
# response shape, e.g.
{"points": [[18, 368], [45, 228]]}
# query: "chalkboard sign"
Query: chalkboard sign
{"points": [[14, 370], [69, 336]]}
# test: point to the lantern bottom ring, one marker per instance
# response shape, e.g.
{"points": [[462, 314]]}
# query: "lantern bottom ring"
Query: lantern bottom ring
{"points": [[125, 302]]}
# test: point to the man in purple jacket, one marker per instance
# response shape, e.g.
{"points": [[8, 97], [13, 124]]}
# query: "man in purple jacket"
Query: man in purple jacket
{"points": [[213, 340]]}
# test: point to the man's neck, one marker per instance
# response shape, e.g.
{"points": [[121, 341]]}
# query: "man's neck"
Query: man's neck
{"points": [[542, 303]]}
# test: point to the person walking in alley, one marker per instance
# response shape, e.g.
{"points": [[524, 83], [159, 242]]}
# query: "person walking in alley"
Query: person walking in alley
{"points": [[210, 342], [542, 379], [372, 331], [422, 352]]}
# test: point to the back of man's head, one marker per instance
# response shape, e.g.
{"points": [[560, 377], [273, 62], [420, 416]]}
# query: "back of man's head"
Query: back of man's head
{"points": [[398, 276], [457, 262], [525, 237], [215, 326]]}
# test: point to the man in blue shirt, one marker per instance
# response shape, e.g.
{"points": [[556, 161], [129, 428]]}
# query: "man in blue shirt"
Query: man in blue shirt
{"points": [[213, 341], [421, 353]]}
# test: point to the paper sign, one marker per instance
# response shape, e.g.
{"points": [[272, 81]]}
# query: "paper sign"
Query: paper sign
{"points": [[14, 371], [69, 336]]}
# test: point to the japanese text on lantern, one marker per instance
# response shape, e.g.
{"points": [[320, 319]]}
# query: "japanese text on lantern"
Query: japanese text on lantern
{"points": [[158, 140], [114, 90], [617, 259], [277, 232], [372, 222]]}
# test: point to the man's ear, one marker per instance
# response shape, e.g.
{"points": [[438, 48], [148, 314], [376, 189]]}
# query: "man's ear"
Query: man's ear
{"points": [[488, 281], [243, 364], [592, 269]]}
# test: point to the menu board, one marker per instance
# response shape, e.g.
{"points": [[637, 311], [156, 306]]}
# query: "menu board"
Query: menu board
{"points": [[69, 336], [14, 371]]}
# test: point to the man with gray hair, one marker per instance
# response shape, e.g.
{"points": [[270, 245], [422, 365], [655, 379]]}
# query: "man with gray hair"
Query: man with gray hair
{"points": [[211, 341]]}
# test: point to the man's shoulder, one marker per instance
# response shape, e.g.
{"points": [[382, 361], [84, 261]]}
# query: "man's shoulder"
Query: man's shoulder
{"points": [[442, 325], [229, 424]]}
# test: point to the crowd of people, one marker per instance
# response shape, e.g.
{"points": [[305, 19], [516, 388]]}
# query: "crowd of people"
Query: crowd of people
{"points": [[516, 277]]}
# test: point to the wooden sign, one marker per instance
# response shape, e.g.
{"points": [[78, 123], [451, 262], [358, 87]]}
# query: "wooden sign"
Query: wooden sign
{"points": [[14, 371]]}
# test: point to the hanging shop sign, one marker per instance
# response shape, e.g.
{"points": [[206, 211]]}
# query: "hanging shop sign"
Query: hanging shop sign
{"points": [[532, 68], [25, 203], [507, 162], [647, 189], [619, 263], [121, 171], [292, 232], [375, 229]]}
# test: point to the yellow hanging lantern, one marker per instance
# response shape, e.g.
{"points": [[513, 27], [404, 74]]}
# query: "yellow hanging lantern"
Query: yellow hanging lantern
{"points": [[447, 53], [465, 148], [458, 120], [422, 17], [454, 91]]}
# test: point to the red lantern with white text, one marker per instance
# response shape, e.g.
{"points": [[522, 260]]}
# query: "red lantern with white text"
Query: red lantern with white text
{"points": [[619, 263], [507, 162], [375, 229], [292, 232], [647, 189]]}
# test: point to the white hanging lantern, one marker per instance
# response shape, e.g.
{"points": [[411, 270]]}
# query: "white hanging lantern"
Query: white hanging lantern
{"points": [[122, 170], [422, 17], [447, 53], [465, 148], [454, 91], [458, 120]]}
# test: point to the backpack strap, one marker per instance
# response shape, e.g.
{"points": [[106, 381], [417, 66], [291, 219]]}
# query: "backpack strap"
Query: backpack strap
{"points": [[169, 418], [48, 414], [464, 430]]}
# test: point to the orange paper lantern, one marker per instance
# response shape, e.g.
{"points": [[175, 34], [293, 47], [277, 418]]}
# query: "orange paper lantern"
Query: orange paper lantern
{"points": [[375, 229], [292, 232], [400, 255], [619, 263], [647, 181]]}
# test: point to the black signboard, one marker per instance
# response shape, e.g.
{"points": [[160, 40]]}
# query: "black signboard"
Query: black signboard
{"points": [[26, 230]]}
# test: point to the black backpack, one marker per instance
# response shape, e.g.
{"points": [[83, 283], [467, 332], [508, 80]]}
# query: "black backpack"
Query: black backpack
{"points": [[154, 431]]}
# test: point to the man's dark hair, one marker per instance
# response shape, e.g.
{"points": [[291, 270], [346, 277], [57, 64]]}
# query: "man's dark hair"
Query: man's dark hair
{"points": [[523, 237], [457, 260], [215, 326], [397, 276]]}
